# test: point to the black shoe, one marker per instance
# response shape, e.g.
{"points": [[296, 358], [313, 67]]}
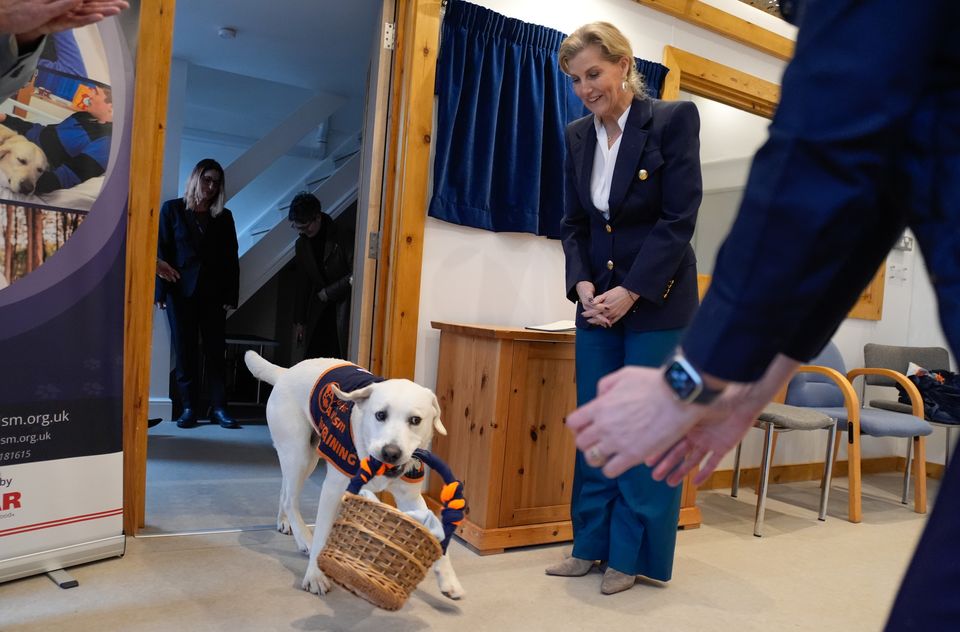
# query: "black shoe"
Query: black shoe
{"points": [[154, 422], [188, 419], [220, 416]]}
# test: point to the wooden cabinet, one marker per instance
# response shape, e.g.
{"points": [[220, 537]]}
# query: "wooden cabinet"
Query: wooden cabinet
{"points": [[503, 394]]}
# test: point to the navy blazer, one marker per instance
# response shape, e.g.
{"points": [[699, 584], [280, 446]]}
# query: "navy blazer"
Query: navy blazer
{"points": [[865, 141], [212, 254], [654, 198]]}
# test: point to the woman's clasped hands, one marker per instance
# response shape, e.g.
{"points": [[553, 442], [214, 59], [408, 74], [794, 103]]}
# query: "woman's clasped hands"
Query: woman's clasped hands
{"points": [[605, 309]]}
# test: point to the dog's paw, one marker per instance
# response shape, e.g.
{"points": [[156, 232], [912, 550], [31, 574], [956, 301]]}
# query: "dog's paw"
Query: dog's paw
{"points": [[450, 586], [284, 527], [316, 582], [303, 547]]}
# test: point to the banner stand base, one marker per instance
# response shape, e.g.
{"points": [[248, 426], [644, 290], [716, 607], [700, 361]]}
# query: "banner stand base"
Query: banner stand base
{"points": [[58, 559], [62, 578]]}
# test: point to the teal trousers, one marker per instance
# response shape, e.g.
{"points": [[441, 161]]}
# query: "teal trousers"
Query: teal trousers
{"points": [[629, 521]]}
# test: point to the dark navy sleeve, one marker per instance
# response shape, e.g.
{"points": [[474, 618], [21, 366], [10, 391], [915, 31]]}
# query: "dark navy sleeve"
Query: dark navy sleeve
{"points": [[575, 227], [819, 212]]}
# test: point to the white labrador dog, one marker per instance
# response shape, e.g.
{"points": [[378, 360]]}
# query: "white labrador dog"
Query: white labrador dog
{"points": [[22, 162], [389, 420]]}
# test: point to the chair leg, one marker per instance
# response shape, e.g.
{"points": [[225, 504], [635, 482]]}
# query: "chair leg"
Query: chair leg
{"points": [[946, 450], [773, 454], [920, 475], [827, 472], [764, 479], [735, 484], [906, 473], [836, 447], [855, 507]]}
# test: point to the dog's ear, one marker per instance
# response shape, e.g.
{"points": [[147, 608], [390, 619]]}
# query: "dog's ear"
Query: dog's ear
{"points": [[359, 395], [437, 424]]}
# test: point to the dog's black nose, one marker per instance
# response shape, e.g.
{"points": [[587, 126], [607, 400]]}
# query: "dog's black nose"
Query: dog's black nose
{"points": [[26, 188], [391, 453]]}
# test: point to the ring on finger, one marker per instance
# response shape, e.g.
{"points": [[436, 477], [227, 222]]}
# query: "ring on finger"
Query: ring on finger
{"points": [[594, 455]]}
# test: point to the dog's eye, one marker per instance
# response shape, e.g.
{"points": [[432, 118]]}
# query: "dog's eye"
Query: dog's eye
{"points": [[414, 421], [21, 161], [381, 415]]}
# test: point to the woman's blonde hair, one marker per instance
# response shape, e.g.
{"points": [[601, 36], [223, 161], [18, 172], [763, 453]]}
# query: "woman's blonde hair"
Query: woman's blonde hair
{"points": [[613, 45], [192, 196]]}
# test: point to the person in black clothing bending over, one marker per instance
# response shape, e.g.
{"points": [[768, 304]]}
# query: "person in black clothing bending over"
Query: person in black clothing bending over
{"points": [[324, 278]]}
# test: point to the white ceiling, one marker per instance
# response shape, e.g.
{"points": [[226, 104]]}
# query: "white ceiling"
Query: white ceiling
{"points": [[320, 45]]}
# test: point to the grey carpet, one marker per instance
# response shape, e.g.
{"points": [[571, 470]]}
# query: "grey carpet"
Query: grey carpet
{"points": [[210, 478], [802, 575]]}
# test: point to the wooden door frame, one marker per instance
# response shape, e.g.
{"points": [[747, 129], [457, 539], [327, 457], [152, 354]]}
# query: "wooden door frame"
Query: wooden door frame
{"points": [[153, 54], [396, 314], [370, 214]]}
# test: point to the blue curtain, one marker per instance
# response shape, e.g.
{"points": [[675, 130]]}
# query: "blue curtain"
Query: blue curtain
{"points": [[502, 107]]}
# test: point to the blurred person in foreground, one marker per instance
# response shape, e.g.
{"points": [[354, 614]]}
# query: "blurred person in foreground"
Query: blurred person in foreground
{"points": [[865, 143]]}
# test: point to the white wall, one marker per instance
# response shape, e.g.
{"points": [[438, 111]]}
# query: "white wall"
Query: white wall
{"points": [[477, 276]]}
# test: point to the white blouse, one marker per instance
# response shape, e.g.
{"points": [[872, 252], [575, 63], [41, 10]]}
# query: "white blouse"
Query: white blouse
{"points": [[604, 161]]}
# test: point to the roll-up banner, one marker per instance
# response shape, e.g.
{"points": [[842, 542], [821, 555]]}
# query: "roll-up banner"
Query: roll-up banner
{"points": [[64, 177]]}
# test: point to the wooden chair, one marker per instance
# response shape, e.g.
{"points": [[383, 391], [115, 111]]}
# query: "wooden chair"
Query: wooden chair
{"points": [[824, 388]]}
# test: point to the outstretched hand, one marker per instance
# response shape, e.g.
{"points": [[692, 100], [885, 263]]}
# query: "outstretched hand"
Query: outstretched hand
{"points": [[21, 16], [634, 415], [42, 17], [636, 419]]}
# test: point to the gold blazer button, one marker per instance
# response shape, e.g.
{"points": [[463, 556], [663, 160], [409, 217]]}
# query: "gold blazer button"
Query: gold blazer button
{"points": [[643, 174], [609, 265], [609, 228]]}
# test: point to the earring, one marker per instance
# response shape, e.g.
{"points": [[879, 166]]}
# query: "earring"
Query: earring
{"points": [[623, 85]]}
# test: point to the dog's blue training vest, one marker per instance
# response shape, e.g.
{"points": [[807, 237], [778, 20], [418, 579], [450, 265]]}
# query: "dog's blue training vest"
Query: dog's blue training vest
{"points": [[330, 417]]}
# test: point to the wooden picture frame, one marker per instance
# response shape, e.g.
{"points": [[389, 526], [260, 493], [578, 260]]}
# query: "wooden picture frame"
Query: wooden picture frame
{"points": [[746, 92]]}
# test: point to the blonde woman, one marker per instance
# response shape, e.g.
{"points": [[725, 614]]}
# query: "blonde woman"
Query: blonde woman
{"points": [[633, 191], [199, 280]]}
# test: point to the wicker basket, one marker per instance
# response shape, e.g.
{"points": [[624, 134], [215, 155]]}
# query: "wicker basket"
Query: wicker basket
{"points": [[378, 552]]}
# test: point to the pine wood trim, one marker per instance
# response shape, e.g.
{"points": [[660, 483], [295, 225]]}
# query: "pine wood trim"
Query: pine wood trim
{"points": [[378, 129], [713, 80], [396, 324], [154, 50], [870, 304], [722, 23], [798, 472]]}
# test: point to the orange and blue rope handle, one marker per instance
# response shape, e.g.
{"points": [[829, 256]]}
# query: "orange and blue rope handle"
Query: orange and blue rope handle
{"points": [[451, 495]]}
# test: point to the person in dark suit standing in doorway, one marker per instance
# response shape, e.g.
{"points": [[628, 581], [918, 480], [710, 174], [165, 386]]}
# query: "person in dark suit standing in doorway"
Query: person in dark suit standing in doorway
{"points": [[324, 278], [633, 192], [199, 281]]}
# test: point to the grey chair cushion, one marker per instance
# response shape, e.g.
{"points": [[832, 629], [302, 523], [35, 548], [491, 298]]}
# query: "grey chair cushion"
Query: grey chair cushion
{"points": [[882, 423], [795, 418], [899, 358]]}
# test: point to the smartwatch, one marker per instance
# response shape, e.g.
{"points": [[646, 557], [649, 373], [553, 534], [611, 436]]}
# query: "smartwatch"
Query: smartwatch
{"points": [[686, 382]]}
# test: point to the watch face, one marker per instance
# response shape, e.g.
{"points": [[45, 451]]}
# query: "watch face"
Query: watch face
{"points": [[682, 383]]}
